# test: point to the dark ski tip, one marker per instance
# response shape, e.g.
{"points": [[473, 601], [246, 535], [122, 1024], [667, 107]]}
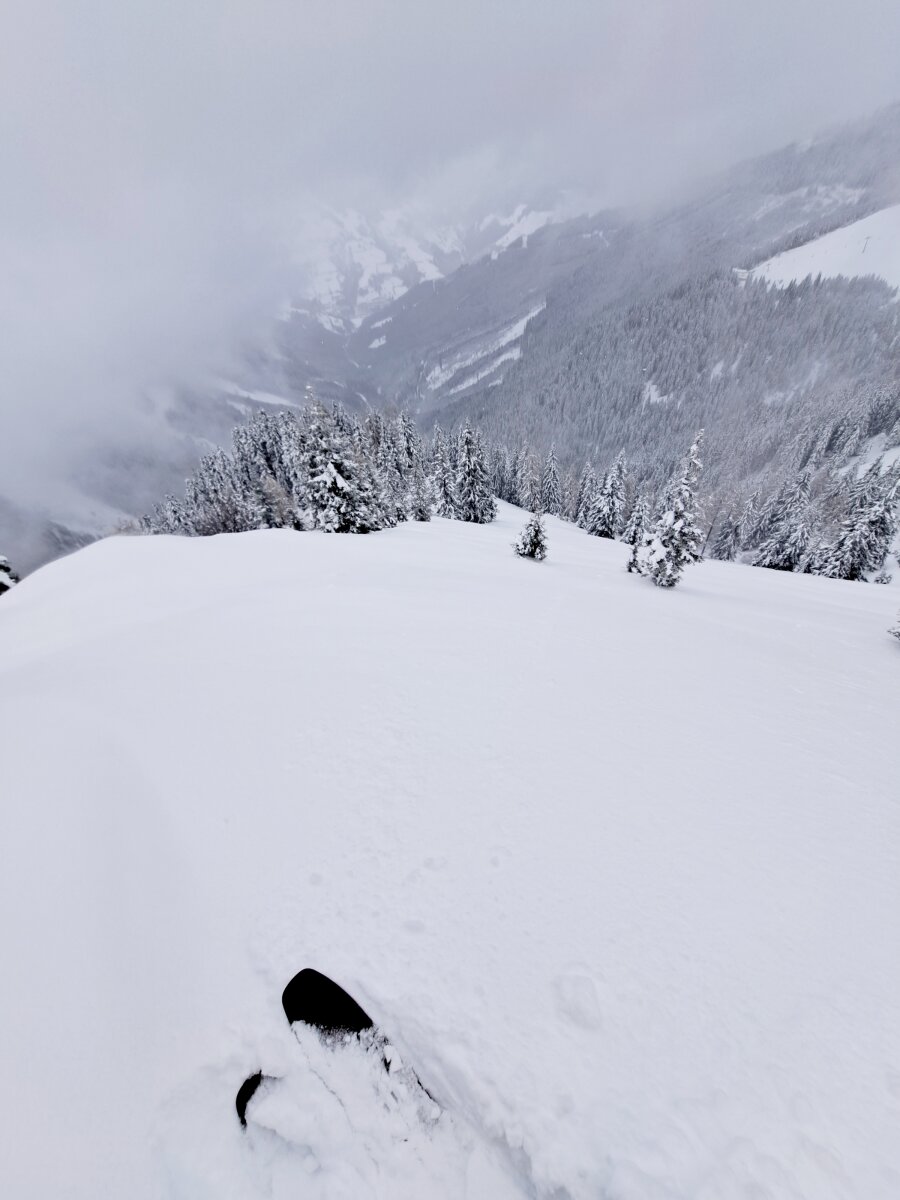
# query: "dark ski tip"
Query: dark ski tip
{"points": [[317, 1000]]}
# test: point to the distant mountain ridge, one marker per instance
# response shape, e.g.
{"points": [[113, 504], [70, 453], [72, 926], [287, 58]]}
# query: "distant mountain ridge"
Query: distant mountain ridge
{"points": [[354, 266], [514, 317]]}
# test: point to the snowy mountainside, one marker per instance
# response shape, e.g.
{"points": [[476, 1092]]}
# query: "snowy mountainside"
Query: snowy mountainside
{"points": [[615, 868], [870, 246], [374, 326], [355, 265], [583, 267], [653, 317]]}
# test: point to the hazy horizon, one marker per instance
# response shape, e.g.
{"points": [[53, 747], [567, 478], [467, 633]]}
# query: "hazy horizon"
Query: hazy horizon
{"points": [[159, 159]]}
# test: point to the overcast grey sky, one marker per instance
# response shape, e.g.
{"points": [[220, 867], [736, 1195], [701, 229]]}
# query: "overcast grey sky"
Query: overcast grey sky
{"points": [[155, 154]]}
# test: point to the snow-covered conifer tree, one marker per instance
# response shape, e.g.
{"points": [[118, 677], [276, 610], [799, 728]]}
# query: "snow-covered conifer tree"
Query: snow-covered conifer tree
{"points": [[727, 541], [788, 545], [551, 489], [341, 493], [473, 492], [420, 495], [219, 500], [530, 481], [499, 472], [390, 469], [865, 536], [781, 509], [605, 518], [532, 541], [587, 493], [619, 486], [410, 441], [675, 541], [443, 485], [639, 521], [373, 431], [513, 478], [747, 522]]}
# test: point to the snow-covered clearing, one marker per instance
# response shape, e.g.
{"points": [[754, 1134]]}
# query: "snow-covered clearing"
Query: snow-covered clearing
{"points": [[440, 374], [867, 247], [652, 394], [258, 397], [617, 870], [508, 356]]}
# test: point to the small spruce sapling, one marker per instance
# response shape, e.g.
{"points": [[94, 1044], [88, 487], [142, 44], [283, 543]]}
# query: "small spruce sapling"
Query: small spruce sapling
{"points": [[675, 541], [532, 541]]}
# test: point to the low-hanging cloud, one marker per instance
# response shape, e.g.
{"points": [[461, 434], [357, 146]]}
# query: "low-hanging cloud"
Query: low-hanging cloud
{"points": [[156, 156]]}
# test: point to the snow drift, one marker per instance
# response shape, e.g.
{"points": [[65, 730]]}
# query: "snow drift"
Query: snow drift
{"points": [[615, 869]]}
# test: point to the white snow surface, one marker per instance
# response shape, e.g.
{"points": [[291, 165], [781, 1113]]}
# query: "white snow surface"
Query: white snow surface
{"points": [[507, 356], [440, 374], [652, 394], [870, 246], [616, 869], [818, 199]]}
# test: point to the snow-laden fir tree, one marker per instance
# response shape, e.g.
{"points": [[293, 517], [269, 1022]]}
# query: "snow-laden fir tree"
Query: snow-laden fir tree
{"points": [[409, 441], [514, 478], [605, 518], [532, 541], [420, 495], [747, 522], [587, 490], [8, 577], [473, 489], [443, 483], [637, 529], [373, 432], [598, 521], [551, 488], [570, 495], [780, 509], [675, 540], [620, 487], [499, 472], [787, 548], [278, 511], [639, 521], [341, 495], [218, 500], [531, 481], [727, 541], [865, 536], [390, 473]]}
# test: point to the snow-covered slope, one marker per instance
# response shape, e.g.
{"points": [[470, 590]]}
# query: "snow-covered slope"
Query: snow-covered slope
{"points": [[352, 266], [615, 868], [870, 246]]}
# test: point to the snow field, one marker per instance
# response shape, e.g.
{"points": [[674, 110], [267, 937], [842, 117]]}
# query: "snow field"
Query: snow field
{"points": [[870, 246], [616, 870]]}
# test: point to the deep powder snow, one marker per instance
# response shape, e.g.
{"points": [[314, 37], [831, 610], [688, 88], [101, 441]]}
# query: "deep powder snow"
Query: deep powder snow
{"points": [[617, 871]]}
